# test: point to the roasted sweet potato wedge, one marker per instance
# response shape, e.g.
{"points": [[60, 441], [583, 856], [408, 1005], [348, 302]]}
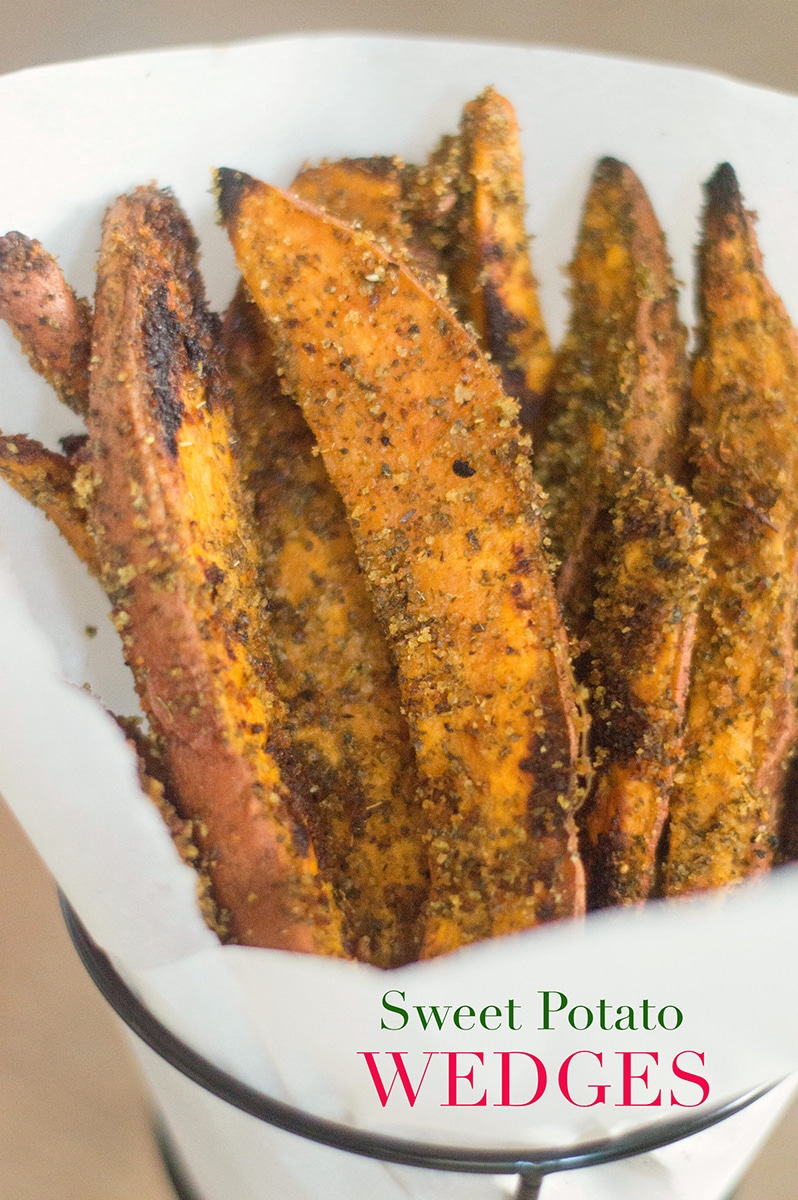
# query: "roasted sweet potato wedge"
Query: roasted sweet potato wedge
{"points": [[332, 667], [425, 449], [741, 723], [47, 480], [620, 379], [52, 325], [175, 549], [489, 269], [641, 640], [468, 202], [331, 664]]}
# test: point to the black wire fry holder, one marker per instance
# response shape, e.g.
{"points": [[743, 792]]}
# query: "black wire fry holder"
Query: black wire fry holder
{"points": [[530, 1165]]}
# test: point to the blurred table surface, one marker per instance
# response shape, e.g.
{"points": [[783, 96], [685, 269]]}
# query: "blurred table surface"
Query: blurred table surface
{"points": [[74, 1124]]}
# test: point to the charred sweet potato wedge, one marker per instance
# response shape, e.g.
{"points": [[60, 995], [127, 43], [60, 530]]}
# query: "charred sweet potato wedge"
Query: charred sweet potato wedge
{"points": [[468, 203], [620, 379], [641, 640], [52, 325], [332, 669], [175, 548], [425, 449], [489, 268], [47, 480], [741, 723]]}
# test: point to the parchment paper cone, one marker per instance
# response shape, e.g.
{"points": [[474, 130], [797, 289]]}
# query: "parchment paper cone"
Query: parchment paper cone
{"points": [[74, 137]]}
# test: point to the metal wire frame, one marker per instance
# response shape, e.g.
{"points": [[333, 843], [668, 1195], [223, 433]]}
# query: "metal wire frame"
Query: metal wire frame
{"points": [[531, 1165]]}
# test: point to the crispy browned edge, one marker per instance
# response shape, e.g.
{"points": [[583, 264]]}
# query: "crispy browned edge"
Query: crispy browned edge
{"points": [[175, 549], [430, 198], [157, 783], [467, 205], [489, 266]]}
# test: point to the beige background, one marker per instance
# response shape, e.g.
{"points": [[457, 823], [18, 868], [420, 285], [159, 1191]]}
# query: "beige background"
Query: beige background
{"points": [[73, 1121]]}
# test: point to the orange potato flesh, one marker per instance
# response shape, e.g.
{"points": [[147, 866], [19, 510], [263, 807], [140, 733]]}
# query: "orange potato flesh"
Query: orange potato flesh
{"points": [[47, 480], [424, 447], [367, 192], [331, 664], [641, 639], [619, 381], [176, 559], [375, 195], [50, 322], [741, 722]]}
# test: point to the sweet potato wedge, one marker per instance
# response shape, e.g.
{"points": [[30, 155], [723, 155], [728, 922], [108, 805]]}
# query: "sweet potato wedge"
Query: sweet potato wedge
{"points": [[176, 558], [52, 325], [47, 480], [332, 667], [425, 449], [741, 723], [620, 379], [468, 203], [641, 640], [331, 664], [489, 268]]}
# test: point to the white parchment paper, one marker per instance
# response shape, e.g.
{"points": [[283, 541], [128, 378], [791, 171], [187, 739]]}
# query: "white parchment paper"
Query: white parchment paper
{"points": [[72, 137]]}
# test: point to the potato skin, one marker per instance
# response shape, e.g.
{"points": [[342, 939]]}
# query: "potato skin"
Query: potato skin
{"points": [[425, 448], [176, 559], [52, 325]]}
